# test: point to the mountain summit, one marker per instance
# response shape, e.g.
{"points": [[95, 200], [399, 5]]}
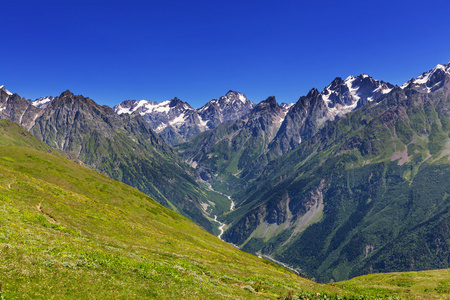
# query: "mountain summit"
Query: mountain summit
{"points": [[227, 108], [342, 96]]}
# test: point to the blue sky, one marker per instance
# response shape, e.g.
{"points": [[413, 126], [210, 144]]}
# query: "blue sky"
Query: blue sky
{"points": [[112, 50]]}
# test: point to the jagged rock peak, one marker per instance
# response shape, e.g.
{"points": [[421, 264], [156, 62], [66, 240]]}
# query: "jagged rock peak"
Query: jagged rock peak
{"points": [[229, 107], [66, 93], [269, 103], [313, 93], [334, 84], [231, 97], [3, 88], [362, 75], [352, 89], [177, 102], [236, 96], [271, 100]]}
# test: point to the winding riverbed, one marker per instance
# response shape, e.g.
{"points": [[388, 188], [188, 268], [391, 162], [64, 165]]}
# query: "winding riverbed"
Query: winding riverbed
{"points": [[223, 225]]}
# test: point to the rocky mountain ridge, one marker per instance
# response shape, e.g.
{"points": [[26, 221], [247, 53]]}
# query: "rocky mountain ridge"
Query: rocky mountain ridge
{"points": [[176, 121]]}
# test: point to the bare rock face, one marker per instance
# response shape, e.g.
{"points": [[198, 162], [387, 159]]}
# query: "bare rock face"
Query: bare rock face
{"points": [[17, 109]]}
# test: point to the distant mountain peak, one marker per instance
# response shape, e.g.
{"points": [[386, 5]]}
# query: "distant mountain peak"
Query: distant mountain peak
{"points": [[145, 106], [177, 102], [66, 93], [313, 93], [3, 88], [430, 80], [270, 100], [177, 121], [342, 96], [230, 98], [350, 78], [237, 95]]}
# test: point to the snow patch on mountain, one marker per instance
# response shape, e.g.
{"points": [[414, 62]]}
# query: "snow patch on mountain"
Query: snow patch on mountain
{"points": [[202, 122], [353, 91], [42, 102], [326, 96], [160, 128], [383, 89], [287, 106], [242, 98], [178, 120]]}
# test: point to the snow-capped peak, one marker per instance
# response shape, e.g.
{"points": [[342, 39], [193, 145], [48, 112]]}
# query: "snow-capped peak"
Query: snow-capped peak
{"points": [[342, 96], [350, 78], [230, 99], [2, 87], [427, 78], [232, 96], [147, 107], [42, 102], [353, 90]]}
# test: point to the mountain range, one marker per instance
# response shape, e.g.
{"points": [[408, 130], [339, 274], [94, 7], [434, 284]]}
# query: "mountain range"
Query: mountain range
{"points": [[344, 182]]}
